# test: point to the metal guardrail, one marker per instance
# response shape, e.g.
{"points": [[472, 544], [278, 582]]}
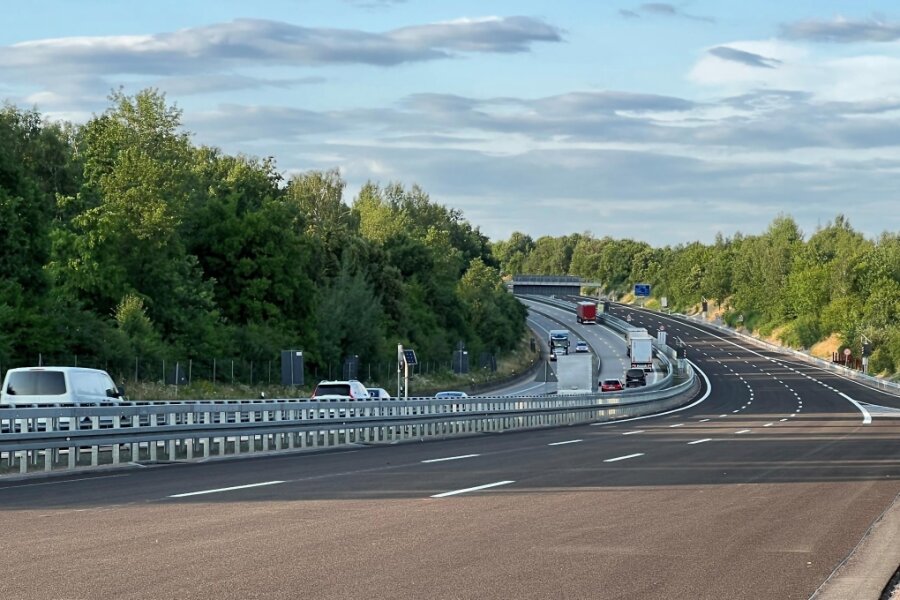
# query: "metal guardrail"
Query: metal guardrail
{"points": [[47, 439]]}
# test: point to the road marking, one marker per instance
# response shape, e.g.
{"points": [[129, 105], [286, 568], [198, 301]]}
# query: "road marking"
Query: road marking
{"points": [[626, 457], [565, 442], [734, 411], [15, 487], [782, 420], [472, 489], [227, 489], [768, 424], [720, 416], [699, 441], [867, 418], [677, 425], [704, 420], [633, 432], [743, 431], [435, 460]]}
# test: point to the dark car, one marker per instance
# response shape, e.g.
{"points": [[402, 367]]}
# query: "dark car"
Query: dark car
{"points": [[635, 378], [610, 385]]}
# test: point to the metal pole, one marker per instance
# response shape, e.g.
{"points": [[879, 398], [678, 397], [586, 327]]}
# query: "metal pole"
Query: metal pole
{"points": [[214, 371], [399, 358], [190, 369]]}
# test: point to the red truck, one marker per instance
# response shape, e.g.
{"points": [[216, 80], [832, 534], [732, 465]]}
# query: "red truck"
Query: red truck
{"points": [[586, 312]]}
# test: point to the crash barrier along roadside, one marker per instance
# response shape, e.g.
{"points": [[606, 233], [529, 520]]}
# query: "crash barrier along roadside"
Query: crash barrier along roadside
{"points": [[47, 438]]}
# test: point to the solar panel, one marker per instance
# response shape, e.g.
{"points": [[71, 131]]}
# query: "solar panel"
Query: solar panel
{"points": [[409, 357]]}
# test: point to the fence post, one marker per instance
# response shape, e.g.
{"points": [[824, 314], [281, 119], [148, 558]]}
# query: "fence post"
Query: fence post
{"points": [[232, 371], [135, 369], [190, 369]]}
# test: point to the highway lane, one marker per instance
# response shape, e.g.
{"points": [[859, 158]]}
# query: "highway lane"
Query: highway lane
{"points": [[609, 346], [701, 503]]}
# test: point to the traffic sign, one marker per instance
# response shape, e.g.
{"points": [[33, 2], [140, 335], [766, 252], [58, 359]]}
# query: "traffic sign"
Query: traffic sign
{"points": [[847, 352], [642, 290]]}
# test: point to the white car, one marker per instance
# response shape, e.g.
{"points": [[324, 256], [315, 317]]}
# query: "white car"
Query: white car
{"points": [[350, 389], [58, 385], [49, 386], [379, 394], [581, 346]]}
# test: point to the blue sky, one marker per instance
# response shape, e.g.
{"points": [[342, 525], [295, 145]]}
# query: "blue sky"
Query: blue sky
{"points": [[666, 122]]}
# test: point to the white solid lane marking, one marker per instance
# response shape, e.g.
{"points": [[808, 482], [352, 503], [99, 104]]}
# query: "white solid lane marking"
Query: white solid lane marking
{"points": [[227, 489], [699, 441], [626, 457], [15, 487], [565, 442], [472, 489], [633, 432], [435, 460], [677, 425], [867, 418], [743, 431]]}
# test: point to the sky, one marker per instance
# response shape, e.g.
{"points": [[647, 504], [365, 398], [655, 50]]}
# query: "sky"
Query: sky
{"points": [[663, 122]]}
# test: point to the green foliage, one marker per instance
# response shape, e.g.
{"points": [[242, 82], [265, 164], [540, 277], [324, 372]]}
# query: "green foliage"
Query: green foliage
{"points": [[836, 281], [125, 244]]}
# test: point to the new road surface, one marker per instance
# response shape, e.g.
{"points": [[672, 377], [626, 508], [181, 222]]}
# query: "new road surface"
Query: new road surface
{"points": [[759, 489]]}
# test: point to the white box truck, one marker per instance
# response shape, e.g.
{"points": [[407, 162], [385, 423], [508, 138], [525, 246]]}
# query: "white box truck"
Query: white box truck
{"points": [[640, 349]]}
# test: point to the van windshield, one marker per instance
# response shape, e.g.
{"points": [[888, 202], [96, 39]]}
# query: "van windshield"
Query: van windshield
{"points": [[36, 383]]}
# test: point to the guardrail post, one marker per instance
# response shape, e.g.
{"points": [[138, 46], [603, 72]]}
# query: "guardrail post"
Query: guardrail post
{"points": [[170, 450]]}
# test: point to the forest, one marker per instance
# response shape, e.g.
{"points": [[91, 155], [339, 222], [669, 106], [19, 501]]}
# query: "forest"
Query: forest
{"points": [[832, 284], [124, 244]]}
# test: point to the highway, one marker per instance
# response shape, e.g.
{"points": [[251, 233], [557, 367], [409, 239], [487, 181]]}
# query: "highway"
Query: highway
{"points": [[759, 489]]}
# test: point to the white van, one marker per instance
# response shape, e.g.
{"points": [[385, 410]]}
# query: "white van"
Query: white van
{"points": [[58, 385]]}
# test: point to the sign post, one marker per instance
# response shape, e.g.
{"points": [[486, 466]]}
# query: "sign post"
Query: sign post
{"points": [[847, 354]]}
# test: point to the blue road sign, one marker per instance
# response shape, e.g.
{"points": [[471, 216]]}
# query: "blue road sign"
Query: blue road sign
{"points": [[642, 289]]}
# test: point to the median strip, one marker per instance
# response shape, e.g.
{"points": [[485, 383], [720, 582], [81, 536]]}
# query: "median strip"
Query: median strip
{"points": [[472, 489], [227, 489], [626, 457], [435, 460]]}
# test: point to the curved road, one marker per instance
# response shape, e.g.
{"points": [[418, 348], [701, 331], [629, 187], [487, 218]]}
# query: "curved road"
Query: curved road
{"points": [[759, 491]]}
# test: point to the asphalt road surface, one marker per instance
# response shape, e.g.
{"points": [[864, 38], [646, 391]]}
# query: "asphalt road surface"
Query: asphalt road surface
{"points": [[759, 491]]}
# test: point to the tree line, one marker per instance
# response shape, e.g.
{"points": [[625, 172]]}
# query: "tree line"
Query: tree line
{"points": [[801, 289], [120, 238]]}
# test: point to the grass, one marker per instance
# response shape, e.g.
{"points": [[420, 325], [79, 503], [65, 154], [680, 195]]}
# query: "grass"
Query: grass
{"points": [[508, 365]]}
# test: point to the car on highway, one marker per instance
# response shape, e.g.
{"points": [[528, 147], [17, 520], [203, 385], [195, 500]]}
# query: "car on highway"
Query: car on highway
{"points": [[555, 353], [581, 346], [451, 394], [635, 378], [610, 385], [379, 394], [350, 389], [49, 386]]}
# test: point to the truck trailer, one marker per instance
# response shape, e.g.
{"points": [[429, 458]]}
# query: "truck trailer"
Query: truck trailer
{"points": [[640, 348], [586, 312]]}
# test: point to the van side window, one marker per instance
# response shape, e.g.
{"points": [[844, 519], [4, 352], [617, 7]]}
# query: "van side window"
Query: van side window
{"points": [[36, 383], [90, 384]]}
